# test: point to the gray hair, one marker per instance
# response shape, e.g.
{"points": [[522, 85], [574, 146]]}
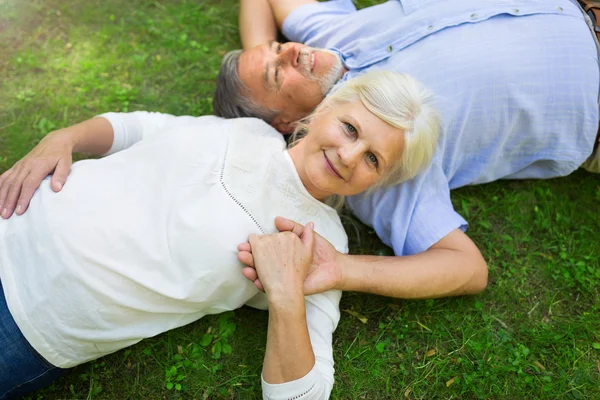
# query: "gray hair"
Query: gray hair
{"points": [[399, 100], [231, 98]]}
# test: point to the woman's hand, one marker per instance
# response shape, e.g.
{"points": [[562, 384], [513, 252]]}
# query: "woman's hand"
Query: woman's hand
{"points": [[283, 260], [53, 155], [18, 184], [324, 272]]}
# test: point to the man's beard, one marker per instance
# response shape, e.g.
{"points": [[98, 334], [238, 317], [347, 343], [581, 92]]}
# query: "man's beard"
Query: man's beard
{"points": [[327, 81]]}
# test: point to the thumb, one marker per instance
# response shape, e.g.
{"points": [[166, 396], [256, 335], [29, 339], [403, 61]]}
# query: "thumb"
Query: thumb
{"points": [[59, 177], [287, 225], [308, 236]]}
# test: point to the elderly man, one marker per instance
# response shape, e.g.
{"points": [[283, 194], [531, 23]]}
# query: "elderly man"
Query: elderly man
{"points": [[517, 82]]}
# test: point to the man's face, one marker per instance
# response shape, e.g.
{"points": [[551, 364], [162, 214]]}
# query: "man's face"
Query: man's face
{"points": [[290, 77]]}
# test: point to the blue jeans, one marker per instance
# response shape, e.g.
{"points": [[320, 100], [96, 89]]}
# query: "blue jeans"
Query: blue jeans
{"points": [[22, 369]]}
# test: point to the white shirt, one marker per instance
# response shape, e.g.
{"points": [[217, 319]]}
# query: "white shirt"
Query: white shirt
{"points": [[145, 240]]}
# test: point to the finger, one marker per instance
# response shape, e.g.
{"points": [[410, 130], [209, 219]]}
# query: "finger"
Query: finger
{"points": [[287, 225], [253, 238], [14, 189], [4, 187], [245, 247], [246, 258], [250, 274], [308, 236], [28, 188], [259, 285], [59, 178]]}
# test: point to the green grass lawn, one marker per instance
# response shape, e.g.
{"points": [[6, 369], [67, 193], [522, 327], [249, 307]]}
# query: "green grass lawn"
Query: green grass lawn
{"points": [[534, 333]]}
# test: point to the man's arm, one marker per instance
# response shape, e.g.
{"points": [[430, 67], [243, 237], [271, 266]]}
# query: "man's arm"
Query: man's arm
{"points": [[451, 267], [257, 23], [51, 156], [283, 8], [260, 19]]}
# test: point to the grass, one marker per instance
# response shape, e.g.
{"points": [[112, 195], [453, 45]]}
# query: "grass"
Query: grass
{"points": [[535, 332]]}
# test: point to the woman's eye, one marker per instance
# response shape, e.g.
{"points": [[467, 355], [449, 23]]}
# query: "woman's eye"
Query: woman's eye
{"points": [[279, 48], [276, 74], [373, 159], [350, 128]]}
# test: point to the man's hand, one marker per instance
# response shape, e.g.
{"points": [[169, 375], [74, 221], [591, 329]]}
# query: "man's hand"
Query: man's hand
{"points": [[324, 273], [19, 183]]}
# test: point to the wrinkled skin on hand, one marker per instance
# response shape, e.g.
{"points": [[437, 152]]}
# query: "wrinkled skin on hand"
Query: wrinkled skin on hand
{"points": [[18, 184], [324, 273], [282, 260]]}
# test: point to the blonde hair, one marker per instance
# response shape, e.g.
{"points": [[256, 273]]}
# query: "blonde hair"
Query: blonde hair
{"points": [[399, 100]]}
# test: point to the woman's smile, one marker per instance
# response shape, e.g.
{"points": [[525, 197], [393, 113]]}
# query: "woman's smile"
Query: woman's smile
{"points": [[331, 168], [346, 150]]}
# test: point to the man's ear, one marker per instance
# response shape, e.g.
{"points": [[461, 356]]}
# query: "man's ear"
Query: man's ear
{"points": [[284, 126]]}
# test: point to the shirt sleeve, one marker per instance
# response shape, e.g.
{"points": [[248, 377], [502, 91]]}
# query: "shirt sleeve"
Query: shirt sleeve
{"points": [[130, 128], [322, 316], [304, 23], [433, 217], [412, 216]]}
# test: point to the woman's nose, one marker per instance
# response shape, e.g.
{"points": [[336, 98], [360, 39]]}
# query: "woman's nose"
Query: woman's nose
{"points": [[351, 153]]}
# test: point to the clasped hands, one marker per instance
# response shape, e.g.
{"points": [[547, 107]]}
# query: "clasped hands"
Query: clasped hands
{"points": [[296, 258]]}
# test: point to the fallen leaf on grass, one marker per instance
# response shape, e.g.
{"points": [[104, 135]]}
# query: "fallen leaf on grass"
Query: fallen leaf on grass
{"points": [[450, 382], [179, 349], [540, 366], [360, 317], [423, 326], [598, 365], [430, 353], [407, 392]]}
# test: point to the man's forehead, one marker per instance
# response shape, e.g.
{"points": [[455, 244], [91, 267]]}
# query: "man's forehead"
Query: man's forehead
{"points": [[252, 66]]}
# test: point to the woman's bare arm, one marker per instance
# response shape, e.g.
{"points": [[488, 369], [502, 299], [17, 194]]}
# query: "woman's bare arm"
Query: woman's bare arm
{"points": [[282, 260]]}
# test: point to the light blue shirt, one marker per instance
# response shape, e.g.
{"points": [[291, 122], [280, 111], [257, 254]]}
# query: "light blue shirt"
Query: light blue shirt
{"points": [[517, 86]]}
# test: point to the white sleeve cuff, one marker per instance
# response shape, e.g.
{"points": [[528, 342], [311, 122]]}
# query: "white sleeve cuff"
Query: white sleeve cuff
{"points": [[126, 132]]}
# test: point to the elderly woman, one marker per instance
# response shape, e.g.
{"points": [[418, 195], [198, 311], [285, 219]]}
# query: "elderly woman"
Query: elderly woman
{"points": [[144, 240]]}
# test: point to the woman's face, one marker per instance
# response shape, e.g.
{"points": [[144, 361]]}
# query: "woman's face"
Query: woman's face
{"points": [[347, 150]]}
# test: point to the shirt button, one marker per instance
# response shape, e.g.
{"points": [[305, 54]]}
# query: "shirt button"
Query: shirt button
{"points": [[430, 27], [559, 8], [473, 15], [516, 10], [389, 49]]}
